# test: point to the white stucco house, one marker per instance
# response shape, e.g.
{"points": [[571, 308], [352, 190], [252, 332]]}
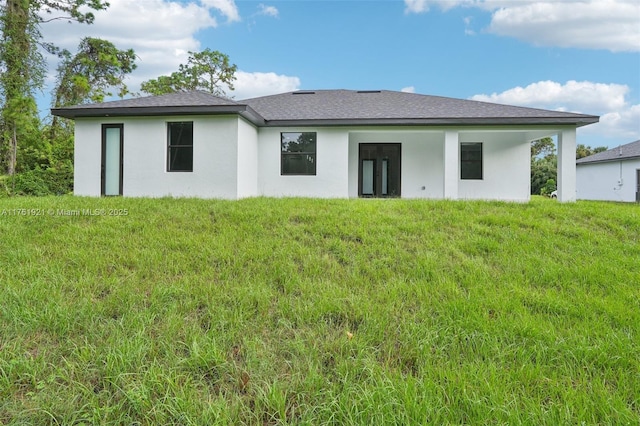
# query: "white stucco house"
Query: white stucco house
{"points": [[324, 143], [612, 175]]}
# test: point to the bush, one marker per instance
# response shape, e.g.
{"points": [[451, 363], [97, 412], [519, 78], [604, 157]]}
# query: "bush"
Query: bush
{"points": [[542, 171], [548, 187], [40, 182]]}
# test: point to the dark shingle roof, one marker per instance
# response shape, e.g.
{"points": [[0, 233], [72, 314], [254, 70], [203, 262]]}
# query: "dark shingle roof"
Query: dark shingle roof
{"points": [[387, 107], [178, 103], [192, 98], [332, 107], [623, 152]]}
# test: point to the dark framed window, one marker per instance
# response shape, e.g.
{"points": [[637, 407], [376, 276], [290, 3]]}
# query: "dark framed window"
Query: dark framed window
{"points": [[298, 153], [180, 146], [471, 160]]}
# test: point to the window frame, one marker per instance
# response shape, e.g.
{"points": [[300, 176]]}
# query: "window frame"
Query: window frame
{"points": [[284, 154], [170, 146], [470, 162]]}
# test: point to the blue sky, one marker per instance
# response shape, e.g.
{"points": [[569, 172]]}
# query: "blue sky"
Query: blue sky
{"points": [[581, 55]]}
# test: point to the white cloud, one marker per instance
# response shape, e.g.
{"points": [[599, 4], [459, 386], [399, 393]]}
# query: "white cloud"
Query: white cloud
{"points": [[591, 24], [416, 6], [618, 117], [151, 28], [623, 124], [408, 89], [422, 6], [267, 10], [467, 26], [601, 24], [227, 7], [577, 96], [254, 84]]}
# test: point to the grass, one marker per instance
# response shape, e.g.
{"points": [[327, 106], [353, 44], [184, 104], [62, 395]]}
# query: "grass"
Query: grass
{"points": [[301, 311]]}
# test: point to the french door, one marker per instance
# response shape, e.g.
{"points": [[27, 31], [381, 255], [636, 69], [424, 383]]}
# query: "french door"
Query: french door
{"points": [[379, 170], [112, 144]]}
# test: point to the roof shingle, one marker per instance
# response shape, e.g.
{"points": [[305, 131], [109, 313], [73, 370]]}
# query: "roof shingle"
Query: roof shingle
{"points": [[176, 99], [383, 104], [623, 152], [333, 107]]}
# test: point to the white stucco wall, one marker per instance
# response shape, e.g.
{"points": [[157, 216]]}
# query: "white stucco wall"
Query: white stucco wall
{"points": [[506, 167], [234, 159], [87, 157], [331, 179], [247, 159], [421, 160], [611, 181], [215, 157]]}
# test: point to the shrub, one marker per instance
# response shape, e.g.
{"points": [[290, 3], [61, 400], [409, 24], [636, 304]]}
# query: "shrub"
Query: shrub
{"points": [[548, 187], [41, 182]]}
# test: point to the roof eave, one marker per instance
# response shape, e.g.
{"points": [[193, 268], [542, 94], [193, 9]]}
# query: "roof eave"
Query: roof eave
{"points": [[251, 115], [609, 160], [147, 111], [577, 121]]}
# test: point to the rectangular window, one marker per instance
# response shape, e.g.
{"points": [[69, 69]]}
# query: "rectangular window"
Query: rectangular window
{"points": [[298, 153], [471, 160], [180, 146]]}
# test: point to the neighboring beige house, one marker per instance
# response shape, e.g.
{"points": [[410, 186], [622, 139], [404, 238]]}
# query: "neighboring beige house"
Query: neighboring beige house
{"points": [[612, 175], [324, 143]]}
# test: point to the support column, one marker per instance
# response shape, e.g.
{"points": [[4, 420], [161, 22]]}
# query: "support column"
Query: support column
{"points": [[567, 166], [451, 164]]}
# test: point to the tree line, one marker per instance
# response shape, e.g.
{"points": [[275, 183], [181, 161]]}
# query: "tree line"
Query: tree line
{"points": [[544, 164], [36, 155]]}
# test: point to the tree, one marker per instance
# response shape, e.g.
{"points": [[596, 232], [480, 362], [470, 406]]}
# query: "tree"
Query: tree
{"points": [[544, 164], [88, 76], [23, 67], [542, 171], [208, 71], [22, 72], [585, 151], [542, 148], [92, 72]]}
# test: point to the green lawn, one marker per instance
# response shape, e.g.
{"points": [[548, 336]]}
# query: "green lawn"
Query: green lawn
{"points": [[301, 311]]}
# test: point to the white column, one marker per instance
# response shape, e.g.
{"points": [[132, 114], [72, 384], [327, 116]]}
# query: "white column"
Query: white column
{"points": [[567, 166], [451, 164]]}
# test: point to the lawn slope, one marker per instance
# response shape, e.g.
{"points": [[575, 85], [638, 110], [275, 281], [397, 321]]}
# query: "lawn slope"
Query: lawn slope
{"points": [[300, 311]]}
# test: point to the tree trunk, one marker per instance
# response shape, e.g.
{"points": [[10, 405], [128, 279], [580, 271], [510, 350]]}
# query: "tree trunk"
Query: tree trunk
{"points": [[13, 153], [16, 50]]}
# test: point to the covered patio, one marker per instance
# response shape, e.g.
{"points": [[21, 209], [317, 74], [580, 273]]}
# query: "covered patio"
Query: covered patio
{"points": [[432, 163]]}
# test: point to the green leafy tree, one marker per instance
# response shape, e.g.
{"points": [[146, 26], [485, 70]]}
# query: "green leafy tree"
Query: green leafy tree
{"points": [[542, 171], [94, 72], [548, 187], [89, 76], [23, 67], [22, 72], [544, 164], [542, 148], [208, 71], [585, 151]]}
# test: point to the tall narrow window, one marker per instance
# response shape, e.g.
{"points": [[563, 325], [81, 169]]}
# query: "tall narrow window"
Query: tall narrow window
{"points": [[298, 153], [180, 146], [471, 160], [112, 158]]}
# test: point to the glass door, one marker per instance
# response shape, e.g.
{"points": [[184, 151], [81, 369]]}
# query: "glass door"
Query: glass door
{"points": [[379, 170], [112, 142]]}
